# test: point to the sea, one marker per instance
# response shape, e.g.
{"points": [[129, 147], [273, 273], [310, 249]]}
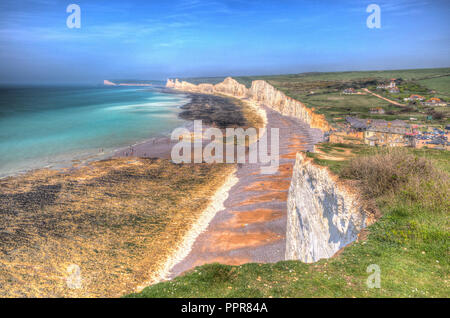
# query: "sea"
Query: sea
{"points": [[43, 126]]}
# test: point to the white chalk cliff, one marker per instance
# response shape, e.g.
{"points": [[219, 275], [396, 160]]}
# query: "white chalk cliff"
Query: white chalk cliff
{"points": [[323, 214], [261, 92]]}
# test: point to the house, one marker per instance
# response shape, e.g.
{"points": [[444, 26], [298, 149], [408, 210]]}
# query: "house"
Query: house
{"points": [[414, 98], [356, 123], [434, 102], [349, 91], [377, 111], [387, 136], [392, 84], [379, 132], [393, 90], [384, 123]]}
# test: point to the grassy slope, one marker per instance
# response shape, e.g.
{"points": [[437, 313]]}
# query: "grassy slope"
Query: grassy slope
{"points": [[440, 84]]}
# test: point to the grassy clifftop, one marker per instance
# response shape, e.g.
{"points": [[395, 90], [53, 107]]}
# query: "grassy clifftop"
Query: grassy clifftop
{"points": [[323, 91]]}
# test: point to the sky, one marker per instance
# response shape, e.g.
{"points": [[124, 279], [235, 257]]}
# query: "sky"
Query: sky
{"points": [[195, 38]]}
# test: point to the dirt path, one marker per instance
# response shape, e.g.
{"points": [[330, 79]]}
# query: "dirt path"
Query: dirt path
{"points": [[384, 98], [252, 226]]}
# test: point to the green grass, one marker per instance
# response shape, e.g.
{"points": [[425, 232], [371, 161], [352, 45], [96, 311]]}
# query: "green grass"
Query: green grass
{"points": [[439, 84], [334, 166], [410, 244], [336, 105], [414, 74]]}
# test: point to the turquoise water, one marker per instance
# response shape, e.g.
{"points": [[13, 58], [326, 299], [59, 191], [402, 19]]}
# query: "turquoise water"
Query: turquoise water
{"points": [[50, 126]]}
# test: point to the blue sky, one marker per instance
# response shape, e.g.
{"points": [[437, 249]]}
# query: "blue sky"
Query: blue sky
{"points": [[159, 39]]}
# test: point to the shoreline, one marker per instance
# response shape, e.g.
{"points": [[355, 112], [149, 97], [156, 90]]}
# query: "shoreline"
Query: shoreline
{"points": [[185, 246], [151, 147], [216, 205], [74, 159]]}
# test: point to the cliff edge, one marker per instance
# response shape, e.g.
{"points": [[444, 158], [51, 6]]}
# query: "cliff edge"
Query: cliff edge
{"points": [[323, 214]]}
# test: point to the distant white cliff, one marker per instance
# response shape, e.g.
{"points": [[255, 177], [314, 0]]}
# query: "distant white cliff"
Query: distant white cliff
{"points": [[109, 83], [261, 92]]}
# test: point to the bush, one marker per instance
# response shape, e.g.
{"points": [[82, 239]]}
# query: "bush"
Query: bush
{"points": [[408, 109], [438, 115], [397, 171]]}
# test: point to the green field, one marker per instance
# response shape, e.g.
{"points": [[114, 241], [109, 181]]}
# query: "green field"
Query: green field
{"points": [[440, 84], [414, 74], [323, 91]]}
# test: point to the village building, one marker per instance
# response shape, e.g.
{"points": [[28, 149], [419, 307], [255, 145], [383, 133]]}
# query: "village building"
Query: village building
{"points": [[352, 132], [393, 90], [396, 133], [414, 98], [387, 136], [433, 144], [434, 102], [379, 132], [356, 124], [392, 84]]}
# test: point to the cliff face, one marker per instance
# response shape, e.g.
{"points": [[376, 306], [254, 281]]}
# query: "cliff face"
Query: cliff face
{"points": [[261, 92], [231, 87], [323, 215], [268, 95]]}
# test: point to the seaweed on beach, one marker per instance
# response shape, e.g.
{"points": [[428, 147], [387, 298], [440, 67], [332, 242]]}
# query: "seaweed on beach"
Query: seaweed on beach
{"points": [[214, 110]]}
